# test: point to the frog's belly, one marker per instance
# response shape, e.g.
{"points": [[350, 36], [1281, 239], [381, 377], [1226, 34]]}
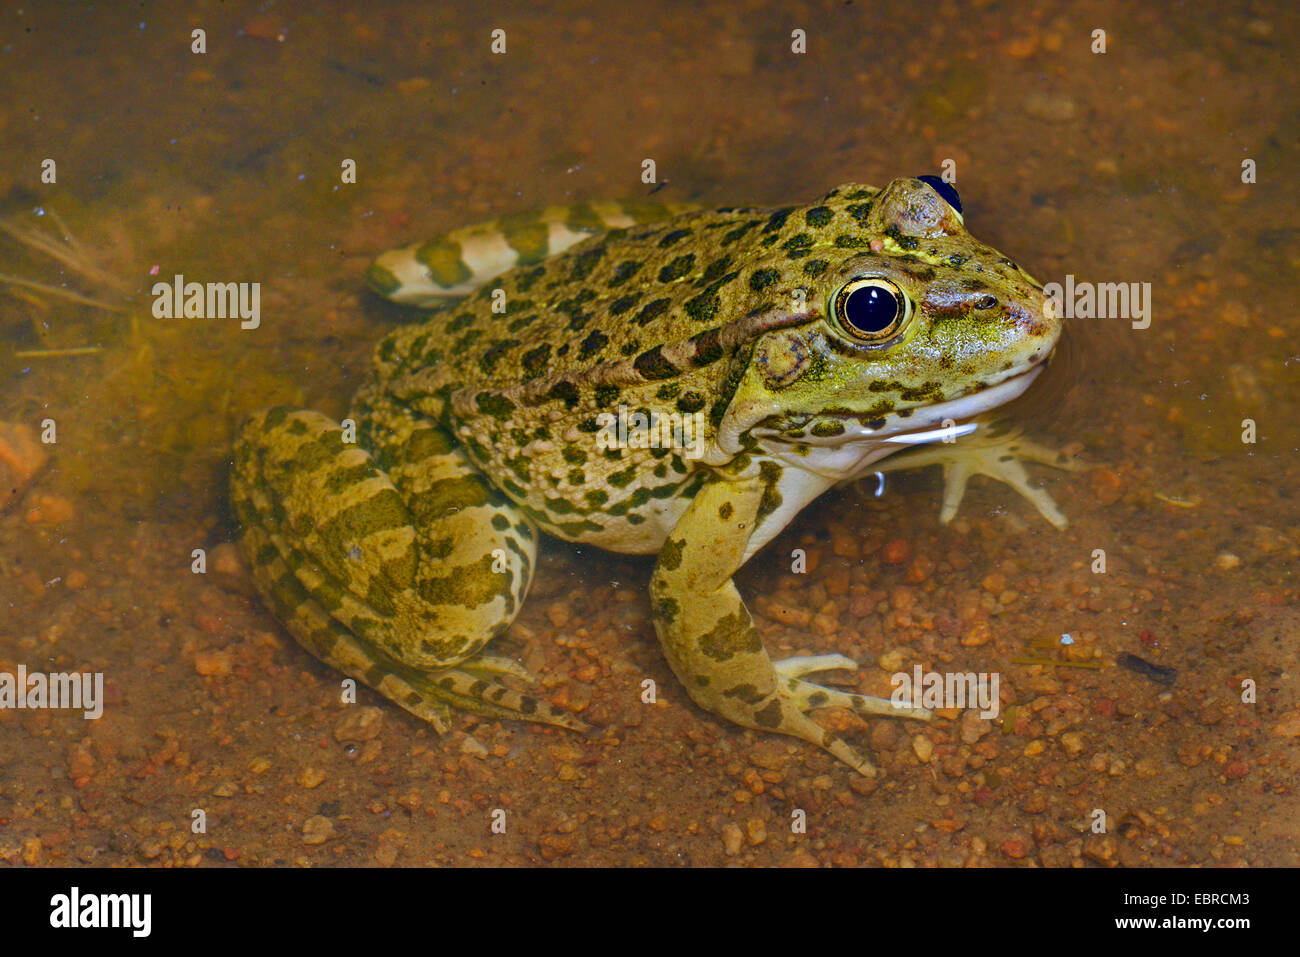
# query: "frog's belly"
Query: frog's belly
{"points": [[616, 533]]}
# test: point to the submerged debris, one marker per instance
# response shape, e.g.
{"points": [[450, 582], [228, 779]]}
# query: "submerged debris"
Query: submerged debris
{"points": [[1157, 673], [21, 457]]}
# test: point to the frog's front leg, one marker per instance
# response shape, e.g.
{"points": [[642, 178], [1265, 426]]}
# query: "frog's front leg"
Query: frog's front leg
{"points": [[396, 570], [709, 636]]}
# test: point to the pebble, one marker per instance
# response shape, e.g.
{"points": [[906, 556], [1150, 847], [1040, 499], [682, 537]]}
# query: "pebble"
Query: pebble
{"points": [[1226, 561], [896, 552], [213, 663], [973, 727], [1054, 108], [923, 747], [389, 846], [1072, 741], [1288, 727], [21, 457], [359, 724], [891, 661], [225, 559], [785, 614], [1014, 849], [50, 510], [317, 829], [32, 851], [310, 778], [733, 839]]}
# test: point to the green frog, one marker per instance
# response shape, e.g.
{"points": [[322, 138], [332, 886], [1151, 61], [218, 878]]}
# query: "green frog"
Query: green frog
{"points": [[648, 379]]}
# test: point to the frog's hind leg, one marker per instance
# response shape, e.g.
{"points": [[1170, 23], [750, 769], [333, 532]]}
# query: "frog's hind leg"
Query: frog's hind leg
{"points": [[398, 580], [457, 263]]}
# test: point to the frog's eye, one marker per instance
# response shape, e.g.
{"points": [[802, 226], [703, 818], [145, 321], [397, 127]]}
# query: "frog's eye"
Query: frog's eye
{"points": [[946, 190], [871, 309]]}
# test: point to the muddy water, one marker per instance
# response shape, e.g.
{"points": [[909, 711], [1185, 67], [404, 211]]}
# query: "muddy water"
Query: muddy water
{"points": [[1172, 709]]}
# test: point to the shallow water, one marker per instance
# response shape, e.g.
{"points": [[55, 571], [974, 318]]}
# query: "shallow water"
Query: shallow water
{"points": [[1121, 167]]}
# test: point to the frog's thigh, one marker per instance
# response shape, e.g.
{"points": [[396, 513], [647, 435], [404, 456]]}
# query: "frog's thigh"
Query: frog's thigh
{"points": [[324, 636], [388, 582], [427, 578], [707, 633]]}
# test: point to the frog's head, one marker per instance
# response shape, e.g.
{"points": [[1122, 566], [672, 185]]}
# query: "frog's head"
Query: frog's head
{"points": [[910, 325]]}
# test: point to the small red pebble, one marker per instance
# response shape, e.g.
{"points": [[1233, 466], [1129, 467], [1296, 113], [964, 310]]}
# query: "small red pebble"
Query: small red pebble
{"points": [[1014, 849], [1236, 769], [985, 797], [895, 552], [230, 853], [1104, 707], [208, 623], [1147, 637]]}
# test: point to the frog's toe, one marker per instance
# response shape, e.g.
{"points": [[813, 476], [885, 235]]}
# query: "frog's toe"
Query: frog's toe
{"points": [[797, 666], [1002, 468], [992, 451], [465, 688], [810, 695], [484, 665]]}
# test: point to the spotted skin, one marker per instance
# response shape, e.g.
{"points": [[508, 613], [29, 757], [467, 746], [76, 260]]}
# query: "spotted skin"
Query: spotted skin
{"points": [[398, 557]]}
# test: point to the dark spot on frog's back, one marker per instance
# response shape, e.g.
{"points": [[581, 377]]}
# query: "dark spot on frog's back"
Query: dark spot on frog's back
{"points": [[564, 391], [777, 220], [715, 269], [534, 361], [591, 345], [673, 237], [819, 216], [651, 311], [625, 271], [652, 365], [487, 363], [860, 211], [678, 268], [585, 261], [690, 402]]}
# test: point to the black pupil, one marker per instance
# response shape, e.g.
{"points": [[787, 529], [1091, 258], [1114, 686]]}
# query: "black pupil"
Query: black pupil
{"points": [[870, 309]]}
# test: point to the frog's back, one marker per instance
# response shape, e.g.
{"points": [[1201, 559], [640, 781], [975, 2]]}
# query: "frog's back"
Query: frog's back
{"points": [[644, 304]]}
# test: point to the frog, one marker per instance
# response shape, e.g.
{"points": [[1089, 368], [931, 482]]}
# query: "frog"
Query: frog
{"points": [[791, 348]]}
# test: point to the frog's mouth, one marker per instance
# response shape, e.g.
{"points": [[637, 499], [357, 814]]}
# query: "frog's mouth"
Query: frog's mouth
{"points": [[915, 426], [934, 423], [865, 439]]}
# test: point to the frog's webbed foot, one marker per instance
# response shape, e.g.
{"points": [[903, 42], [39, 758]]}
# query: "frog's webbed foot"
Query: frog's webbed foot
{"points": [[810, 695], [994, 451]]}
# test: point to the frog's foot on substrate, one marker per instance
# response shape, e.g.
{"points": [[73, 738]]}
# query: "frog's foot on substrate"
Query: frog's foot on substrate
{"points": [[469, 687], [998, 453], [810, 695]]}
